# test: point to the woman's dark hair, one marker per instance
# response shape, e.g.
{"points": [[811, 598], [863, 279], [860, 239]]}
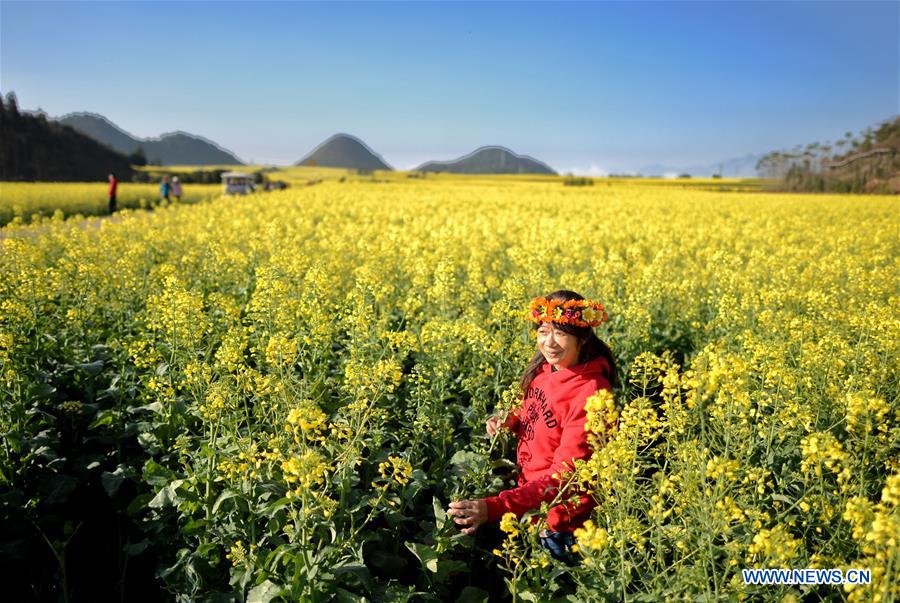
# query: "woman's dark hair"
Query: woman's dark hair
{"points": [[591, 346]]}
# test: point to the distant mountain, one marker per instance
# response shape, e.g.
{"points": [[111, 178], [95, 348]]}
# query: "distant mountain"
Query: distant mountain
{"points": [[35, 148], [738, 167], [489, 160], [174, 148], [345, 151]]}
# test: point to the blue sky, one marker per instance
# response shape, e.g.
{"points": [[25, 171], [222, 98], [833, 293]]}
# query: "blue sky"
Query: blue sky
{"points": [[588, 86]]}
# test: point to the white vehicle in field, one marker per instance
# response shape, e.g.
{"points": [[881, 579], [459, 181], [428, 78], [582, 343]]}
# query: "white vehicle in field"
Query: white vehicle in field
{"points": [[237, 183]]}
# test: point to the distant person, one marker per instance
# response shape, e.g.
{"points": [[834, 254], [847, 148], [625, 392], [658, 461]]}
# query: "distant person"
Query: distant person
{"points": [[113, 186], [165, 189], [176, 188]]}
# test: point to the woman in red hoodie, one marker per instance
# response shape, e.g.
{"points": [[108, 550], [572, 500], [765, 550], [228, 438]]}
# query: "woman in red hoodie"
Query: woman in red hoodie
{"points": [[569, 365]]}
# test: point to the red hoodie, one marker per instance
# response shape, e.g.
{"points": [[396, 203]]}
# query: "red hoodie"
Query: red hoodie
{"points": [[550, 424]]}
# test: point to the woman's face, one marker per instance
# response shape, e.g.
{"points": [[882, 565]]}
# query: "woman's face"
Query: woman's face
{"points": [[560, 349]]}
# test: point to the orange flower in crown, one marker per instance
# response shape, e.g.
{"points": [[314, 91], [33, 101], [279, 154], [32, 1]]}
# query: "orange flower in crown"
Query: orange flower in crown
{"points": [[576, 312]]}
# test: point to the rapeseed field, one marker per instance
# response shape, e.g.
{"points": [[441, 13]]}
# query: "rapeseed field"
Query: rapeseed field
{"points": [[279, 394], [23, 202]]}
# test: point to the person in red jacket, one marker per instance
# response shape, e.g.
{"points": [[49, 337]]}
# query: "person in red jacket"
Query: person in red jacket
{"points": [[570, 364], [113, 185]]}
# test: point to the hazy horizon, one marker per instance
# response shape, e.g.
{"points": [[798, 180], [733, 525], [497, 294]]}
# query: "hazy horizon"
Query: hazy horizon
{"points": [[583, 87]]}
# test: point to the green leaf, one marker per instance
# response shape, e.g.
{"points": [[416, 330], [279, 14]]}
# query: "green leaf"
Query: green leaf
{"points": [[424, 553], [60, 487], [395, 518], [225, 495], [138, 504], [166, 496], [148, 441], [41, 390], [345, 596], [104, 418], [471, 594], [156, 407], [448, 567], [137, 548], [91, 368], [387, 562], [100, 351], [271, 508], [112, 480], [357, 569], [263, 593], [782, 498], [161, 499], [275, 557], [195, 526], [440, 516]]}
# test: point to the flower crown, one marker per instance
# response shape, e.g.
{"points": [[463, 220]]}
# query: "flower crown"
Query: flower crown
{"points": [[576, 312]]}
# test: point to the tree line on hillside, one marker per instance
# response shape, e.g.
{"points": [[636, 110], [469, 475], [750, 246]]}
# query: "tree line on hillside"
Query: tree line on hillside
{"points": [[35, 148], [867, 163]]}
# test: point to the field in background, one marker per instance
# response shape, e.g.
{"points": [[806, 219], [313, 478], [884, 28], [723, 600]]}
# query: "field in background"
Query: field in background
{"points": [[277, 395], [20, 201]]}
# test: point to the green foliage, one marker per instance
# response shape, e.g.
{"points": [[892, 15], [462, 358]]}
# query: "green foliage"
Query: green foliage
{"points": [[571, 180], [869, 163]]}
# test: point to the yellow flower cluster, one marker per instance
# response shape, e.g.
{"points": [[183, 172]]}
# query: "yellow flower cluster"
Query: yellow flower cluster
{"points": [[602, 414], [177, 315], [6, 347], [758, 478], [876, 528], [216, 402], [306, 422], [394, 470], [640, 422], [822, 449], [728, 510], [717, 467], [865, 413], [509, 524], [250, 463], [512, 551], [890, 494], [230, 353], [591, 537], [774, 547], [304, 471], [647, 368], [383, 377], [238, 554], [197, 374], [281, 350], [72, 407]]}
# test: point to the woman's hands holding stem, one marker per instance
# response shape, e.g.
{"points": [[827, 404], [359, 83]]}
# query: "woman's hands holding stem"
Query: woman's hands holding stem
{"points": [[473, 513], [469, 513], [494, 424]]}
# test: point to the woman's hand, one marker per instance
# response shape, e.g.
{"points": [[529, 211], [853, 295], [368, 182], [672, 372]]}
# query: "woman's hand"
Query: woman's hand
{"points": [[494, 424], [470, 513]]}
